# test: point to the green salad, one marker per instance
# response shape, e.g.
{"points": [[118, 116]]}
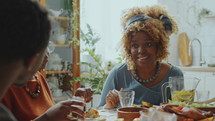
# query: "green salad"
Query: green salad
{"points": [[191, 104]]}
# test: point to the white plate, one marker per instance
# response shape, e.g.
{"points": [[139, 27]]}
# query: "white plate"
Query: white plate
{"points": [[96, 119]]}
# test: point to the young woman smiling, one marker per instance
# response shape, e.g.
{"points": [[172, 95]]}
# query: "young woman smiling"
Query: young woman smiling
{"points": [[144, 46]]}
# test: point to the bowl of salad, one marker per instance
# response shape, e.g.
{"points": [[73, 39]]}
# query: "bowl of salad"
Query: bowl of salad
{"points": [[201, 106]]}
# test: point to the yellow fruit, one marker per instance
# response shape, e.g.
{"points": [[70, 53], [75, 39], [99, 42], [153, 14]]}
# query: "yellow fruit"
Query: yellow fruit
{"points": [[183, 96]]}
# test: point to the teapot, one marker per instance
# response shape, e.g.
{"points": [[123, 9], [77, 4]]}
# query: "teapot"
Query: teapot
{"points": [[61, 39], [54, 62], [182, 88]]}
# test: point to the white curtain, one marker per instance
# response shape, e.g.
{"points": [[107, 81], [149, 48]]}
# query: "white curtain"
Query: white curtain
{"points": [[104, 18]]}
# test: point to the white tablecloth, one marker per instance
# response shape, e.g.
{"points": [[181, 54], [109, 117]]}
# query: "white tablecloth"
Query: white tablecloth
{"points": [[109, 115], [105, 115]]}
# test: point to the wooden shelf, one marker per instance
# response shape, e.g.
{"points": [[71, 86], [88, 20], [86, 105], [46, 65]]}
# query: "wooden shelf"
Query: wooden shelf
{"points": [[58, 72], [60, 18], [60, 45], [63, 24]]}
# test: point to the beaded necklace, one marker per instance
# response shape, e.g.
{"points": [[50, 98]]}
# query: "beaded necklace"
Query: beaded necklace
{"points": [[36, 93], [150, 79]]}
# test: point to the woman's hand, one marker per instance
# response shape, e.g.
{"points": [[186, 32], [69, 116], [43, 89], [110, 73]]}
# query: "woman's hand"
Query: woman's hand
{"points": [[61, 110], [112, 99], [86, 93]]}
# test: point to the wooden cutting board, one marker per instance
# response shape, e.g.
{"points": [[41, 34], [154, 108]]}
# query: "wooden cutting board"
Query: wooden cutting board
{"points": [[183, 49]]}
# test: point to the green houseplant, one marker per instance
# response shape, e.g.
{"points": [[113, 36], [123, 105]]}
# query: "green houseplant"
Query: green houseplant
{"points": [[95, 74]]}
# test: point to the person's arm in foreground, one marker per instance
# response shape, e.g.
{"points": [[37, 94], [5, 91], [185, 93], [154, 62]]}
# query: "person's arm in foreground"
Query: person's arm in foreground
{"points": [[61, 110]]}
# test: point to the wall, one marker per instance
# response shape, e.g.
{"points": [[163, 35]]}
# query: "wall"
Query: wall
{"points": [[104, 17], [186, 13]]}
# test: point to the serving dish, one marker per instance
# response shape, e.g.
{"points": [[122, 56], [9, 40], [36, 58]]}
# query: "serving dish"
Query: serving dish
{"points": [[211, 109], [129, 113]]}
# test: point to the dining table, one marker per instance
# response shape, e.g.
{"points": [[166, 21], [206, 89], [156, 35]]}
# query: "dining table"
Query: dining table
{"points": [[109, 115]]}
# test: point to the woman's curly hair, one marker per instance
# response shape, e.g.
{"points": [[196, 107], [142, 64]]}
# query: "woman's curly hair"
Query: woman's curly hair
{"points": [[153, 27]]}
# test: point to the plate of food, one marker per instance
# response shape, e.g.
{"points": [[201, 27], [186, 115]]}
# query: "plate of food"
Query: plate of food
{"points": [[185, 111], [201, 106], [93, 115], [211, 109]]}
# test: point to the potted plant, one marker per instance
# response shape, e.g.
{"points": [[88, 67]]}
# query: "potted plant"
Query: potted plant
{"points": [[95, 74]]}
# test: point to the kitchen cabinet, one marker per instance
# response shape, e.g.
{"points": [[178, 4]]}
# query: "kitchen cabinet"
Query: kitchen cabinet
{"points": [[209, 16], [64, 44], [207, 80]]}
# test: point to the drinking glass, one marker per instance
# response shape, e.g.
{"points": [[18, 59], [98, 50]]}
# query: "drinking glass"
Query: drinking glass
{"points": [[202, 95], [126, 98], [72, 116]]}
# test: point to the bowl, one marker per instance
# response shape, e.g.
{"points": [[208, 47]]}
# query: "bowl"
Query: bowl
{"points": [[130, 113]]}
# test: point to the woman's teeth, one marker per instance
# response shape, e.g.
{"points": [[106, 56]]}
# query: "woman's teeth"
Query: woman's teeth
{"points": [[143, 57]]}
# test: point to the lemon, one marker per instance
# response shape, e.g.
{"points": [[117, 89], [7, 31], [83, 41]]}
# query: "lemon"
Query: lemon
{"points": [[183, 96]]}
